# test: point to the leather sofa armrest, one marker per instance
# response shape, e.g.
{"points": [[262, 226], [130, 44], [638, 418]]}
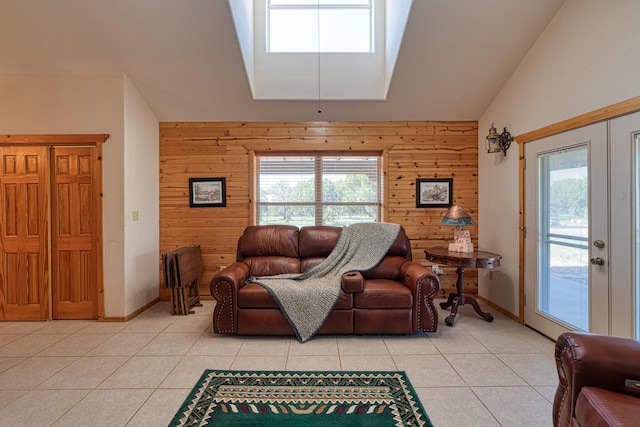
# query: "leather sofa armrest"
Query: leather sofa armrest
{"points": [[584, 359], [224, 288], [424, 285], [414, 275], [352, 282]]}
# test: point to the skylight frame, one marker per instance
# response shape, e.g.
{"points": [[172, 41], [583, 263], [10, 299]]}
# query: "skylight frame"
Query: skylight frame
{"points": [[327, 76], [318, 6]]}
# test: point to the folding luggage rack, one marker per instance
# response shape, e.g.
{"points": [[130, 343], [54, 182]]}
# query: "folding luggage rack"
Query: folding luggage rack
{"points": [[182, 271]]}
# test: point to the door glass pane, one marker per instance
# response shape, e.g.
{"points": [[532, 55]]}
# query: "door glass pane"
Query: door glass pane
{"points": [[636, 234], [563, 257]]}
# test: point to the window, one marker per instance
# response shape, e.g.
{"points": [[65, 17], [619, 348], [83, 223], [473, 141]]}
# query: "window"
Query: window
{"points": [[318, 190], [340, 25]]}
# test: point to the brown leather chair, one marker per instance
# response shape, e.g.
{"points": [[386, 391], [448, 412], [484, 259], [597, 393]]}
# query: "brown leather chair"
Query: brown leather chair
{"points": [[599, 381]]}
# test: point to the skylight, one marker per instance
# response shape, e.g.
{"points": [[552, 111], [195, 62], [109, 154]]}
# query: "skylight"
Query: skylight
{"points": [[359, 45], [320, 26]]}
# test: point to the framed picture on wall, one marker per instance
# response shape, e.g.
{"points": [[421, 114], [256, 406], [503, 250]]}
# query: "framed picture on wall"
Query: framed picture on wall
{"points": [[207, 192], [434, 192]]}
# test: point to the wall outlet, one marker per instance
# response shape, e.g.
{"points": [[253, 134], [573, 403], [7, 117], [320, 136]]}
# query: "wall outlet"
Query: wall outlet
{"points": [[135, 215], [222, 267], [436, 269]]}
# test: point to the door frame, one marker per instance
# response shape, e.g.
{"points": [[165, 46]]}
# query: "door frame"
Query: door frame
{"points": [[629, 106], [71, 140]]}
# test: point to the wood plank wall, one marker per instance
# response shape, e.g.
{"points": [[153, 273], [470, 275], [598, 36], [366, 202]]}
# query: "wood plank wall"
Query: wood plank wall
{"points": [[424, 149]]}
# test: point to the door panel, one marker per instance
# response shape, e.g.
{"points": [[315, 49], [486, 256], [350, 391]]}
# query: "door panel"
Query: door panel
{"points": [[24, 280], [74, 233], [566, 274], [625, 272], [610, 260]]}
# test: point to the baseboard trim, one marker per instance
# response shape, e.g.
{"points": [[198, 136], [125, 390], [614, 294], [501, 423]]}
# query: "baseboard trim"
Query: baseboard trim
{"points": [[500, 309], [132, 315]]}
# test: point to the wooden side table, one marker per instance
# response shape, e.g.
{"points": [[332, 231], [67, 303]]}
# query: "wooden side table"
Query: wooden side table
{"points": [[462, 260]]}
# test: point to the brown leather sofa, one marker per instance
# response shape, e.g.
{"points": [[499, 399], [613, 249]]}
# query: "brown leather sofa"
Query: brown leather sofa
{"points": [[599, 381], [395, 297]]}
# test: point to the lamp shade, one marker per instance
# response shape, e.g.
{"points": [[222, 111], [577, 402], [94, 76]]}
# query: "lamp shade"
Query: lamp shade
{"points": [[456, 215]]}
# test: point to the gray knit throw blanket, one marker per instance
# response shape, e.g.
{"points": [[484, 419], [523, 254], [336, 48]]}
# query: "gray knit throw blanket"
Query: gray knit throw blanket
{"points": [[307, 299]]}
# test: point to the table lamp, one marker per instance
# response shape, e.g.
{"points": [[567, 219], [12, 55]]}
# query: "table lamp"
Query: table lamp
{"points": [[456, 215]]}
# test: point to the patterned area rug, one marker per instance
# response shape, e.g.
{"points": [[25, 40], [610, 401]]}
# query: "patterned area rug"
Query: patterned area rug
{"points": [[289, 398]]}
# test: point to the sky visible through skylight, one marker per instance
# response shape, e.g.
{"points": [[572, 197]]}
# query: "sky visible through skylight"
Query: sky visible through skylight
{"points": [[341, 26]]}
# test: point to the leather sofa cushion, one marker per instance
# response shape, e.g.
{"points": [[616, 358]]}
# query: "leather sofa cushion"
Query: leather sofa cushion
{"points": [[383, 293], [263, 322], [272, 265], [256, 296], [600, 407], [279, 240], [383, 321], [253, 295], [388, 268], [272, 322], [401, 247], [317, 241], [307, 263]]}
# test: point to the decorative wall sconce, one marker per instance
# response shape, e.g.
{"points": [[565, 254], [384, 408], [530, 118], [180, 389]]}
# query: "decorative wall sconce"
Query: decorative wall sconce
{"points": [[496, 143]]}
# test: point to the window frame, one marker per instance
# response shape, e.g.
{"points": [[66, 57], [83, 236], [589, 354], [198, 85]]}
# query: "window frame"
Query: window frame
{"points": [[318, 203]]}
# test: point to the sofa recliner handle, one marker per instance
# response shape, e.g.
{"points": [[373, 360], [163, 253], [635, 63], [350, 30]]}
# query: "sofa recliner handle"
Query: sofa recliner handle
{"points": [[632, 384]]}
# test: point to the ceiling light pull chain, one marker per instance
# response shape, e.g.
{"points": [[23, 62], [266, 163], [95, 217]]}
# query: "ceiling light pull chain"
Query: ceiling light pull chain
{"points": [[319, 108]]}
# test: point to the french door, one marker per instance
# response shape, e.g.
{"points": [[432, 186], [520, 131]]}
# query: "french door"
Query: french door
{"points": [[625, 220], [580, 245]]}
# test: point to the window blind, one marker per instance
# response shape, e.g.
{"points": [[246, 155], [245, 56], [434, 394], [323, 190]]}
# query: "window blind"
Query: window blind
{"points": [[316, 190]]}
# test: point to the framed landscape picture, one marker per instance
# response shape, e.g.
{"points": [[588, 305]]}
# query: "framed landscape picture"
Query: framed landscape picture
{"points": [[207, 192], [434, 192]]}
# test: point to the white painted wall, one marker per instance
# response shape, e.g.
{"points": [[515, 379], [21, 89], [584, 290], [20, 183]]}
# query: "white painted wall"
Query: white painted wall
{"points": [[396, 16], [142, 195], [82, 103], [242, 13], [586, 59]]}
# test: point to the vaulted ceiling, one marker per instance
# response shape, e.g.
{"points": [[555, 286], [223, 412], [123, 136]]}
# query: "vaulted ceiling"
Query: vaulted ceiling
{"points": [[185, 60]]}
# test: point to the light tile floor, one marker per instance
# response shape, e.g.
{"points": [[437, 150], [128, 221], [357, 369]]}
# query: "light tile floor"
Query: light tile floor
{"points": [[86, 373]]}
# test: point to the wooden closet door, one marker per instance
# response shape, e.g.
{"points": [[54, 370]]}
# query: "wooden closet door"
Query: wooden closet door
{"points": [[24, 229], [74, 233]]}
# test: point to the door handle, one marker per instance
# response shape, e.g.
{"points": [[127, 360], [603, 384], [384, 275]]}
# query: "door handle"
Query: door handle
{"points": [[597, 261]]}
